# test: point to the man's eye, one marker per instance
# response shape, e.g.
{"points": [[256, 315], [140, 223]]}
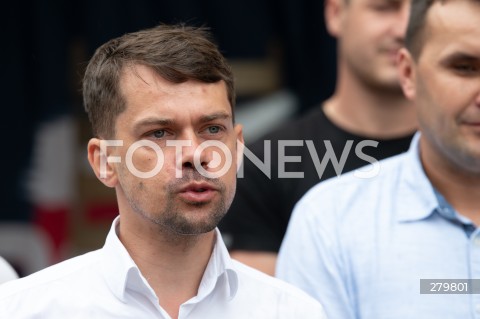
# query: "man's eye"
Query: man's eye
{"points": [[383, 7], [465, 68], [213, 129], [158, 133]]}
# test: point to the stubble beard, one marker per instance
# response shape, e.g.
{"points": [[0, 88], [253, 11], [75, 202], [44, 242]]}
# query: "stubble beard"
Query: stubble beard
{"points": [[179, 218], [180, 221]]}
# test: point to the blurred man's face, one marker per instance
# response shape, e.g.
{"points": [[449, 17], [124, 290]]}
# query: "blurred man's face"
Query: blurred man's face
{"points": [[370, 33], [444, 82]]}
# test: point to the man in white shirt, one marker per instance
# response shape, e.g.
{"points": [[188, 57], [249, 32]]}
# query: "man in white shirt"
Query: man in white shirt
{"points": [[7, 272], [161, 106]]}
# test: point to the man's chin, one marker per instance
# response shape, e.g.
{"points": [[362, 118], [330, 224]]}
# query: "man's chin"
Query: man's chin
{"points": [[196, 223], [193, 229], [389, 82]]}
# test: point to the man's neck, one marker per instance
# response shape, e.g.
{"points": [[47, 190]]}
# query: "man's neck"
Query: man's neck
{"points": [[370, 112], [460, 188], [172, 264]]}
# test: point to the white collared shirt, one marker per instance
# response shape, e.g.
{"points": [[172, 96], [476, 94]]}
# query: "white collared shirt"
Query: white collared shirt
{"points": [[107, 284], [7, 272]]}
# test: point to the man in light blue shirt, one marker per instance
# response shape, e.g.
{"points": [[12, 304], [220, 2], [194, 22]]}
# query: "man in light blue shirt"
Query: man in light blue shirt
{"points": [[361, 246]]}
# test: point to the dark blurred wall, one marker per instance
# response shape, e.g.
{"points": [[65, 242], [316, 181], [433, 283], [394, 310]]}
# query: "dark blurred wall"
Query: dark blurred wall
{"points": [[40, 81], [34, 83]]}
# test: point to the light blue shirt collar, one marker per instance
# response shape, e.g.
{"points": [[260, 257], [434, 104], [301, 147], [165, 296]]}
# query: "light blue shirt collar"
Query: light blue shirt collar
{"points": [[420, 207], [413, 180], [447, 211]]}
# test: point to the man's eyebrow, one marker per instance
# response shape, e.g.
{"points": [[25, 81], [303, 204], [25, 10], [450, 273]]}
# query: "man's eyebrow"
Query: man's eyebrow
{"points": [[390, 2], [150, 121], [460, 57], [215, 116]]}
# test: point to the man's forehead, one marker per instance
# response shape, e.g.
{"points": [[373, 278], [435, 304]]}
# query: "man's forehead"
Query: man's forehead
{"points": [[137, 75], [452, 28], [453, 16], [142, 77]]}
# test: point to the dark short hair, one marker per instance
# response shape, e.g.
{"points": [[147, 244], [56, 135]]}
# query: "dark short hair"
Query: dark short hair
{"points": [[177, 53], [414, 38], [416, 25]]}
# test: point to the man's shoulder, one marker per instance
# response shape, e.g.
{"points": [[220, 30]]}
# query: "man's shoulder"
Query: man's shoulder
{"points": [[306, 126], [66, 274], [360, 186], [371, 174], [255, 284], [7, 272]]}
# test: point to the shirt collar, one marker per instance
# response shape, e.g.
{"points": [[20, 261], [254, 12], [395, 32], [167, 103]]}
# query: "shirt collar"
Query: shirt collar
{"points": [[220, 265], [118, 267], [417, 198], [447, 211], [121, 273]]}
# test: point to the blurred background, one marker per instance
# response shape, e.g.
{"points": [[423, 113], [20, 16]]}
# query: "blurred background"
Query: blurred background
{"points": [[53, 207]]}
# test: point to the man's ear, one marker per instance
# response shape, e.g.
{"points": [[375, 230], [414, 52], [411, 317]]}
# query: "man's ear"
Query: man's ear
{"points": [[334, 10], [406, 73], [240, 144], [100, 162]]}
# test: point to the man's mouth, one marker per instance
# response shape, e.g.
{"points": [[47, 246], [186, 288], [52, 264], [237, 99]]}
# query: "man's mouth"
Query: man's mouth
{"points": [[198, 192]]}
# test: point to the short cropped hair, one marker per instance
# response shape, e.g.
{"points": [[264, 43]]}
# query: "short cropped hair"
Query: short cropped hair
{"points": [[177, 53], [414, 38], [416, 25]]}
